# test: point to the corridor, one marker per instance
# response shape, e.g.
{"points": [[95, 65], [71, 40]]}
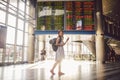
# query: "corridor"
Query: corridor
{"points": [[74, 70]]}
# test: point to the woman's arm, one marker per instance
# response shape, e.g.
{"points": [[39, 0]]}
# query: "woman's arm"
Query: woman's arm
{"points": [[66, 40], [58, 44]]}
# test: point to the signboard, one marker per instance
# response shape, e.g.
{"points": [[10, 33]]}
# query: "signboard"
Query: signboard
{"points": [[67, 15]]}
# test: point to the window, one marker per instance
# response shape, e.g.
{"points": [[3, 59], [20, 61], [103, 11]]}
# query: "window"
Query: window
{"points": [[23, 0], [9, 53], [28, 2], [10, 35], [20, 24], [1, 53], [13, 2], [26, 39], [15, 30], [2, 16], [19, 53], [19, 37], [21, 5], [26, 27], [12, 9], [27, 12], [25, 53], [21, 9], [3, 5], [13, 6], [11, 20]]}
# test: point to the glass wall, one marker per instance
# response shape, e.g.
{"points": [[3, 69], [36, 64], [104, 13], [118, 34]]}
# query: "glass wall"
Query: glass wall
{"points": [[68, 15], [75, 48], [14, 14]]}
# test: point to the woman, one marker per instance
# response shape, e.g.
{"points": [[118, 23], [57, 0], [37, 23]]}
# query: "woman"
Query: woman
{"points": [[59, 53]]}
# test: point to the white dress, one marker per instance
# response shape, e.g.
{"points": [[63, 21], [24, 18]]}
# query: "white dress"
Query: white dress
{"points": [[60, 53]]}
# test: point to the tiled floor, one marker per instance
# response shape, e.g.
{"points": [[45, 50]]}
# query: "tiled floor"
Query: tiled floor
{"points": [[74, 70]]}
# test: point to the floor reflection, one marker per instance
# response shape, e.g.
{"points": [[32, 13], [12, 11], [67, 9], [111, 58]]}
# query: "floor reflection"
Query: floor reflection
{"points": [[74, 70], [99, 71]]}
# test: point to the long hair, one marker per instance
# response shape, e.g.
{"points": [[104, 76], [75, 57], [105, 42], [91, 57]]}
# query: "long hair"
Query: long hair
{"points": [[59, 32], [61, 37]]}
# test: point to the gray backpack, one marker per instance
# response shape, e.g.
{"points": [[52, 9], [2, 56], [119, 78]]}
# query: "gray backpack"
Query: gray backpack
{"points": [[53, 42]]}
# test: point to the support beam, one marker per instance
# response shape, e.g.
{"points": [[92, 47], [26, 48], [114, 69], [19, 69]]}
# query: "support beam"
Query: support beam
{"points": [[38, 32]]}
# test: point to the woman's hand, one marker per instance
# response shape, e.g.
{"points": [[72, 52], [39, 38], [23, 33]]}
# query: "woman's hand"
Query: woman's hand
{"points": [[62, 44], [67, 39]]}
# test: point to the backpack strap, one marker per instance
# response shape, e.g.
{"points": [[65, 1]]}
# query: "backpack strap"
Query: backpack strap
{"points": [[59, 39]]}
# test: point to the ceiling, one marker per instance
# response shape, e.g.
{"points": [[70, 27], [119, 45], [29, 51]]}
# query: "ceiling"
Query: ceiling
{"points": [[111, 9]]}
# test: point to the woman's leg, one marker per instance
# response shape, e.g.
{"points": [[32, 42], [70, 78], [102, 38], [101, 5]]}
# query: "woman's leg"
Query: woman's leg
{"points": [[55, 64], [59, 67]]}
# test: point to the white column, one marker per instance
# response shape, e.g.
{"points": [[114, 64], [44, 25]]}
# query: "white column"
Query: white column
{"points": [[31, 45], [31, 36], [100, 48]]}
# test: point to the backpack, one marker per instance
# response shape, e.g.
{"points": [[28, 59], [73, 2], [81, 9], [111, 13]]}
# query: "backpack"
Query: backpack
{"points": [[53, 42]]}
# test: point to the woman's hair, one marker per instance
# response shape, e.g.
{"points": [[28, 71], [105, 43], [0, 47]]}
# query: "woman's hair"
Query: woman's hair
{"points": [[60, 31]]}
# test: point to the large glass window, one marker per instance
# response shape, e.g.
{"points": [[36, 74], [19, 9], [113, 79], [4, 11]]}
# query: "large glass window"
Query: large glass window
{"points": [[26, 39], [19, 54], [13, 6], [3, 4], [9, 53], [19, 37], [11, 20], [21, 5], [27, 2], [12, 9], [27, 11], [26, 27], [10, 35], [78, 46], [2, 16], [13, 2], [20, 24], [1, 52], [21, 8], [25, 54], [15, 50]]}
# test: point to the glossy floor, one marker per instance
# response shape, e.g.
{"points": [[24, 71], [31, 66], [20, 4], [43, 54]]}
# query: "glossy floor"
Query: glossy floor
{"points": [[74, 70]]}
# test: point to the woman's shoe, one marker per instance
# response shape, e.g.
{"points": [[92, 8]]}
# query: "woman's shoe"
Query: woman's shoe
{"points": [[52, 72], [61, 73]]}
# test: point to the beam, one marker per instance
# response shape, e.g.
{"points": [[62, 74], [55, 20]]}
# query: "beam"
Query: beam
{"points": [[39, 32]]}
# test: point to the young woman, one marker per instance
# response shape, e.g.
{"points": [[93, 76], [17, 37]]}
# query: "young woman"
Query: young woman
{"points": [[59, 53]]}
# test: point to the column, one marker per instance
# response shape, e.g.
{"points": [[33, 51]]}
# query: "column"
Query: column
{"points": [[31, 36], [31, 44], [100, 48]]}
